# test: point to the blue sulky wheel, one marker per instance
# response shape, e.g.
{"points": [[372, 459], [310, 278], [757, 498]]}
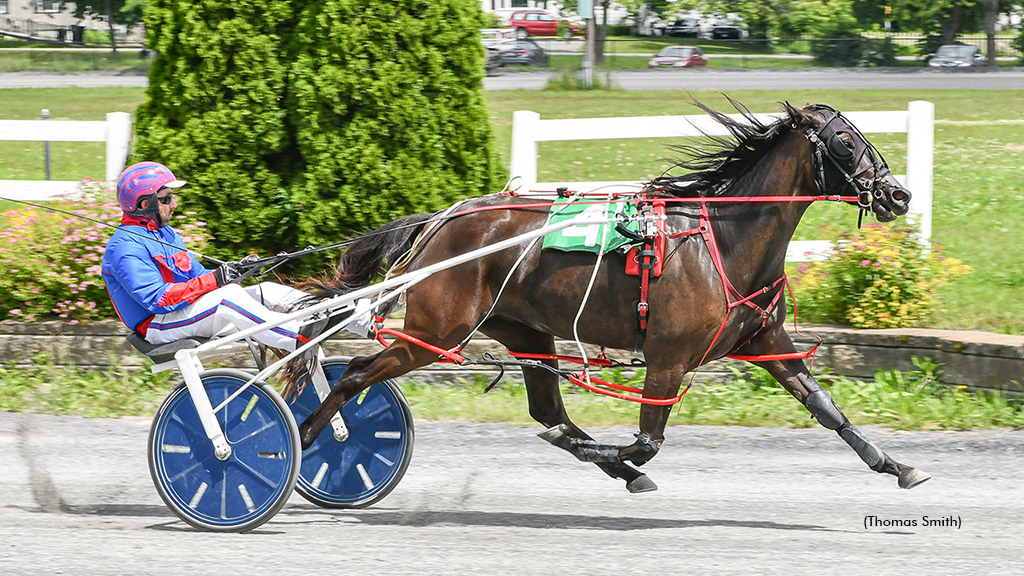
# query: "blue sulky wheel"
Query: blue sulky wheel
{"points": [[368, 465], [247, 489]]}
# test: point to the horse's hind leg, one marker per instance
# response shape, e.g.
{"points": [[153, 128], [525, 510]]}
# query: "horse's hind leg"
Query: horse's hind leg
{"points": [[547, 408], [397, 359], [795, 378]]}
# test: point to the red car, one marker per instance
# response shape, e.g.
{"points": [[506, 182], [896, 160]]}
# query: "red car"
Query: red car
{"points": [[538, 23], [679, 57]]}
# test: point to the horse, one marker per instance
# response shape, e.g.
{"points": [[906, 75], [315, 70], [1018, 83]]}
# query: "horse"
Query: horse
{"points": [[694, 315]]}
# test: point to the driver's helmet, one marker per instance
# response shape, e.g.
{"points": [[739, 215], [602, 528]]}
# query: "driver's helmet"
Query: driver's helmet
{"points": [[144, 180]]}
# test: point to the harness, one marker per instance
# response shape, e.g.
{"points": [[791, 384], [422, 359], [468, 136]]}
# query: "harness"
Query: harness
{"points": [[646, 260]]}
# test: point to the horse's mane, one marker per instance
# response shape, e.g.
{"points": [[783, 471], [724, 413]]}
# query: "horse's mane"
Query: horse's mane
{"points": [[711, 168]]}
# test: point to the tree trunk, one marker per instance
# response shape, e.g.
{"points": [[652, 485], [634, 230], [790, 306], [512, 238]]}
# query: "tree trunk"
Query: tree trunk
{"points": [[110, 27], [991, 11], [951, 25]]}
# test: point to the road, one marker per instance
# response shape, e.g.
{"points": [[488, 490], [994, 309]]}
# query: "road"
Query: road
{"points": [[793, 79], [631, 80], [76, 498]]}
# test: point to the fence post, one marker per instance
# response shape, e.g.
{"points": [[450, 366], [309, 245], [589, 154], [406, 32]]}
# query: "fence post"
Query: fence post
{"points": [[45, 113], [920, 160], [119, 138], [524, 147]]}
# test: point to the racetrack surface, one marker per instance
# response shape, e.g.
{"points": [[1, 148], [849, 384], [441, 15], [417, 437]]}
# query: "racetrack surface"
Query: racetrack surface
{"points": [[76, 498]]}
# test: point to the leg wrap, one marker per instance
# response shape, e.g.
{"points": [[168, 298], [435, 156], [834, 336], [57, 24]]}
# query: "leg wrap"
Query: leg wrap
{"points": [[819, 403], [867, 451], [584, 450], [641, 451]]}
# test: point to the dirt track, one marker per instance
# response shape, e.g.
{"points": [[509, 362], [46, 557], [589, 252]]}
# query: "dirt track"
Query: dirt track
{"points": [[76, 498]]}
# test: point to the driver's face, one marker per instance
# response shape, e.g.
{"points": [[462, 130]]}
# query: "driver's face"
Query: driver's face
{"points": [[166, 210]]}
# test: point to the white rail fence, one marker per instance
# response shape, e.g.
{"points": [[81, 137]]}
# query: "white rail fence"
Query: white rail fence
{"points": [[116, 131], [917, 122]]}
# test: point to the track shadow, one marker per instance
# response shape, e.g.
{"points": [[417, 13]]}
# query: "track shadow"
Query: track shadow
{"points": [[469, 518], [132, 510]]}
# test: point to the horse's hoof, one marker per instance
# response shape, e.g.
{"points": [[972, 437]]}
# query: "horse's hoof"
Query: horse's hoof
{"points": [[911, 477], [641, 484]]}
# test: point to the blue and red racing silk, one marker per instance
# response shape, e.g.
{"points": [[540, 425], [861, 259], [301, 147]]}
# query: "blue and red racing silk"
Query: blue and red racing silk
{"points": [[148, 271]]}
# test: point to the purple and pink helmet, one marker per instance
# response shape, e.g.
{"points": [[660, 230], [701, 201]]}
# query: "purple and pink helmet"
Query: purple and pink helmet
{"points": [[144, 180]]}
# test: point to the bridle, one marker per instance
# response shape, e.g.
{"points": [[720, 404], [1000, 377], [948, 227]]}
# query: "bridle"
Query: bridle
{"points": [[843, 161]]}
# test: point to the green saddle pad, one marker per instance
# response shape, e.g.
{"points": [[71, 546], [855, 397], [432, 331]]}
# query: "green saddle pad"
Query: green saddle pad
{"points": [[588, 237]]}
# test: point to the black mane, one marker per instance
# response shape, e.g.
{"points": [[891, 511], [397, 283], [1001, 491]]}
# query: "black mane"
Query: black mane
{"points": [[711, 168]]}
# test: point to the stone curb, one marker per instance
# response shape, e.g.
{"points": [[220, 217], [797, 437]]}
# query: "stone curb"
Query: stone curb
{"points": [[966, 358]]}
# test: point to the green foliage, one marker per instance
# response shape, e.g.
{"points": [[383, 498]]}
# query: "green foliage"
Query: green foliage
{"points": [[916, 400], [490, 20], [50, 262], [298, 123], [843, 45], [388, 110], [50, 389], [1018, 45], [878, 277], [911, 400]]}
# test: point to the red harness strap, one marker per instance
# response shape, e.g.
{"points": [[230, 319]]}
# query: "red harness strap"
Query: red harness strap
{"points": [[647, 260]]}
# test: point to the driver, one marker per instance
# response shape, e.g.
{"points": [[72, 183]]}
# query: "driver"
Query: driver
{"points": [[162, 292]]}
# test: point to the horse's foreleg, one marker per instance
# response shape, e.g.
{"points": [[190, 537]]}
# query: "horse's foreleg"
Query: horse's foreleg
{"points": [[547, 408], [662, 381], [797, 380]]}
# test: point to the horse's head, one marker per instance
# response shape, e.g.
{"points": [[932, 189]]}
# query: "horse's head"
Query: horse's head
{"points": [[844, 161]]}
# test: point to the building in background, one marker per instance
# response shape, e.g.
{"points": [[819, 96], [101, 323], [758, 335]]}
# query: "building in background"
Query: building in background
{"points": [[55, 21]]}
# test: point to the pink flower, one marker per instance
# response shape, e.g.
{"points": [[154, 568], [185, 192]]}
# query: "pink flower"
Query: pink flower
{"points": [[865, 262]]}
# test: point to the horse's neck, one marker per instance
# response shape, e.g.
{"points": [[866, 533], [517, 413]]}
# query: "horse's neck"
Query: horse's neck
{"points": [[753, 236]]}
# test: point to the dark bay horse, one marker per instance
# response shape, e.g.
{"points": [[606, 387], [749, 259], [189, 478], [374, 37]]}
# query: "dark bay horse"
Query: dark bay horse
{"points": [[806, 152]]}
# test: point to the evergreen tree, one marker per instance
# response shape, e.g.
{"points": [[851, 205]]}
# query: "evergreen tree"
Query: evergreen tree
{"points": [[301, 123]]}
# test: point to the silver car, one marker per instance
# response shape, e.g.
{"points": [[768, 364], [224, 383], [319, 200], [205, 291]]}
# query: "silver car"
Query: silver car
{"points": [[956, 56]]}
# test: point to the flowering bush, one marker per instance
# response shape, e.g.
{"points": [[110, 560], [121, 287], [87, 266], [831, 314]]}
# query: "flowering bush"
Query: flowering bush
{"points": [[878, 277], [50, 262]]}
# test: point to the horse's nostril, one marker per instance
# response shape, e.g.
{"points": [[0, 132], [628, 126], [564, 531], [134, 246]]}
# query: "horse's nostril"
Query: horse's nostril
{"points": [[900, 196]]}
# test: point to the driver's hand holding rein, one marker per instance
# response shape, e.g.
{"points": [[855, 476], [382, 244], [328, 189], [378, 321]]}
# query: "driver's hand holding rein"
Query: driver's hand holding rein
{"points": [[162, 292]]}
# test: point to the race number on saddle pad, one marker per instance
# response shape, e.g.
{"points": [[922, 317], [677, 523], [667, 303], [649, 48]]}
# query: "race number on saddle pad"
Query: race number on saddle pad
{"points": [[588, 237]]}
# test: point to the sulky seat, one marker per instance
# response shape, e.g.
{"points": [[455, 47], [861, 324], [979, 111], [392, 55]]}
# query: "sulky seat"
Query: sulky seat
{"points": [[161, 353]]}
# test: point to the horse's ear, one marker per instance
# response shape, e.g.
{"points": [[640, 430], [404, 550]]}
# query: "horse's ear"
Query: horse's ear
{"points": [[800, 117]]}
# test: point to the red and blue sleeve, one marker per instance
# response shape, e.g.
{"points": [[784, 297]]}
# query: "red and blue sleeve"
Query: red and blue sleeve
{"points": [[148, 285]]}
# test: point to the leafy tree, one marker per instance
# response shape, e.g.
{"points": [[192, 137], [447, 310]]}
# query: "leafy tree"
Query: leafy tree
{"points": [[127, 12], [299, 123], [784, 18], [388, 111]]}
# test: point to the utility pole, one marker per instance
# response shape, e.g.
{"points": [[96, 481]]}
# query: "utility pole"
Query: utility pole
{"points": [[586, 11]]}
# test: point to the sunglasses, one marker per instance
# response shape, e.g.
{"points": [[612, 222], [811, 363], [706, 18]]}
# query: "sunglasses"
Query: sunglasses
{"points": [[165, 199]]}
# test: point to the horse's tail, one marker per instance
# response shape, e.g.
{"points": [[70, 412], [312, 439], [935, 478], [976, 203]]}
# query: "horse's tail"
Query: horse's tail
{"points": [[368, 256], [362, 261]]}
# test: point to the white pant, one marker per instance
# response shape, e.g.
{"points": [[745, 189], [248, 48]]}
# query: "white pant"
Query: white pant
{"points": [[232, 308]]}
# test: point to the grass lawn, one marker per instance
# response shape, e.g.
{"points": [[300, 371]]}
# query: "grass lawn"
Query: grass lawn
{"points": [[127, 60], [978, 179]]}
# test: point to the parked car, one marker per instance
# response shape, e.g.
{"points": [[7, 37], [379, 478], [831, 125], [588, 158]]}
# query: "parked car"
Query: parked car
{"points": [[685, 27], [679, 57], [956, 56], [495, 59], [728, 32], [538, 23], [526, 53]]}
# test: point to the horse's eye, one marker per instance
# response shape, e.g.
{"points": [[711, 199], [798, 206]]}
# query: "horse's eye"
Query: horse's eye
{"points": [[848, 142]]}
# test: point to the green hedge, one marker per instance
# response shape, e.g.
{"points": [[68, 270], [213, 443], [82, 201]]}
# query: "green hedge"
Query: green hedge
{"points": [[300, 123]]}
